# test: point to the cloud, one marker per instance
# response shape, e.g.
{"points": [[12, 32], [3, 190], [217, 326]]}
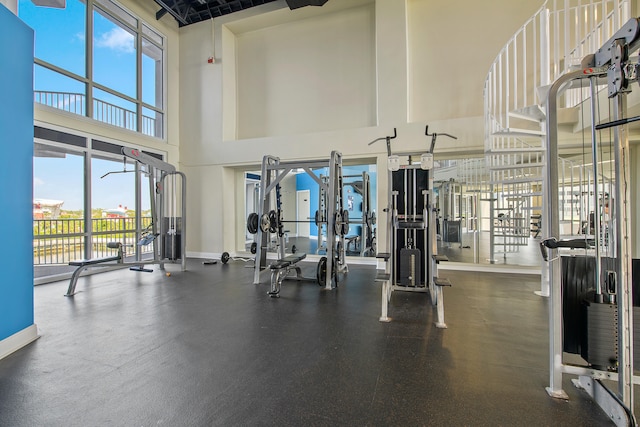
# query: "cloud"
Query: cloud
{"points": [[116, 39], [37, 181]]}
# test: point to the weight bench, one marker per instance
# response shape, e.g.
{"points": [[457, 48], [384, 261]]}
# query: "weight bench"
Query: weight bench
{"points": [[84, 264], [352, 240], [280, 270]]}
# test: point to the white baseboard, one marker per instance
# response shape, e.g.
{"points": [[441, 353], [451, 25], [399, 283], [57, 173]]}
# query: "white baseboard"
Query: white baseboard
{"points": [[205, 255], [490, 268], [18, 340]]}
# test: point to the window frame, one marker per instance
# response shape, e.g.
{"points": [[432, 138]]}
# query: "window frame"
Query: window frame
{"points": [[105, 7], [82, 145]]}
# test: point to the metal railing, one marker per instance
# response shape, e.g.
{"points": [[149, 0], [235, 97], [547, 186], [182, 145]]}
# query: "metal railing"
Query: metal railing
{"points": [[550, 43], [102, 111], [109, 113], [58, 241]]}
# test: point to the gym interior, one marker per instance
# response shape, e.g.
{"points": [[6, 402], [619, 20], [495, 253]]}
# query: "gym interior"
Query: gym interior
{"points": [[332, 212]]}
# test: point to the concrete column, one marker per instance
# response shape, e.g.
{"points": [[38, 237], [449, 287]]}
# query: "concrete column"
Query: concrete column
{"points": [[391, 62]]}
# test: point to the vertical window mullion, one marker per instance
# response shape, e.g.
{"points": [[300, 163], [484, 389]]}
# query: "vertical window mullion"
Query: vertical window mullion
{"points": [[139, 76], [88, 223], [89, 57]]}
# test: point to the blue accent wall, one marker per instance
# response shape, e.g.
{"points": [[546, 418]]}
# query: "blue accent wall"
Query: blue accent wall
{"points": [[305, 182], [16, 173]]}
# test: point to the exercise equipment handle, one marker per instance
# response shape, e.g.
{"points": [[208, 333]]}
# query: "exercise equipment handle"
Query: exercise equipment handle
{"points": [[434, 136], [426, 132], [388, 139], [553, 243], [617, 123]]}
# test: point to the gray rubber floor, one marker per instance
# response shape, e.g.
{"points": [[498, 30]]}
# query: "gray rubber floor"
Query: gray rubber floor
{"points": [[206, 347]]}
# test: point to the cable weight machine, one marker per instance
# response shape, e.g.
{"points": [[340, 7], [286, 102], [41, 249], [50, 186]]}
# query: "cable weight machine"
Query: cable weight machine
{"points": [[411, 264], [167, 222], [168, 209], [599, 284]]}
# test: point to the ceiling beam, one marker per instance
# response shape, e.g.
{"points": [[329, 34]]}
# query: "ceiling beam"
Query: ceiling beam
{"points": [[172, 12]]}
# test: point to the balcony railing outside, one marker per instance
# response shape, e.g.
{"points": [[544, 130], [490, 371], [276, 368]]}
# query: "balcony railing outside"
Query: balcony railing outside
{"points": [[102, 111], [58, 241]]}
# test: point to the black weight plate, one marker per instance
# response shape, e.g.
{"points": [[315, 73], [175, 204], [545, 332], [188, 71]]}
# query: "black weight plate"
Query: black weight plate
{"points": [[337, 223], [252, 223], [321, 271], [225, 257], [273, 221], [254, 247], [345, 222]]}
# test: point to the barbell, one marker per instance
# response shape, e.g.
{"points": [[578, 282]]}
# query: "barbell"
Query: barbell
{"points": [[270, 222]]}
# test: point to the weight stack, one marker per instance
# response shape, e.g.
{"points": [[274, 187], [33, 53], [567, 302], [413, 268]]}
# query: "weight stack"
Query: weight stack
{"points": [[172, 246], [410, 267], [636, 340], [600, 340], [171, 242]]}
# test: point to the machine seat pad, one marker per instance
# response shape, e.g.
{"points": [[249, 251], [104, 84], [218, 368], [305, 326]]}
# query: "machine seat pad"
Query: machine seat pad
{"points": [[83, 262], [382, 277], [441, 281], [287, 261]]}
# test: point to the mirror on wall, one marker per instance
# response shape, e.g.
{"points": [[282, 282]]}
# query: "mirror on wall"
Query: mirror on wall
{"points": [[301, 198], [481, 223]]}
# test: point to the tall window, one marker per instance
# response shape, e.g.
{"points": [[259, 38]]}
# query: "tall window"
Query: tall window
{"points": [[96, 59], [86, 194]]}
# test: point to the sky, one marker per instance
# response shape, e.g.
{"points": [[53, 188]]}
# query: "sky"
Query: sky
{"points": [[60, 40], [61, 179]]}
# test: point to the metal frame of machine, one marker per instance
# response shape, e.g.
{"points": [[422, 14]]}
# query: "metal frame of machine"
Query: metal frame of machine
{"points": [[610, 64], [171, 228], [412, 260], [273, 171]]}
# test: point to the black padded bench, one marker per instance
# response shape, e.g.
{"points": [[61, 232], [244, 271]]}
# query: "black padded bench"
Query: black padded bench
{"points": [[83, 264], [287, 261], [280, 269]]}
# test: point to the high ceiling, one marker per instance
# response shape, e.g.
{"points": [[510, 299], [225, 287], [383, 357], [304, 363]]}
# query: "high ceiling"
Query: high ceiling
{"points": [[188, 12]]}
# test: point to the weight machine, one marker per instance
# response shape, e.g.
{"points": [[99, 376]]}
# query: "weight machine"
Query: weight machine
{"points": [[268, 220], [591, 311], [365, 242], [411, 264], [167, 231], [168, 219]]}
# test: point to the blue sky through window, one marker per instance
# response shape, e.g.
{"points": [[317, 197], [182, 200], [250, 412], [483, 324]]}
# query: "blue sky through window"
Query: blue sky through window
{"points": [[60, 39], [59, 33]]}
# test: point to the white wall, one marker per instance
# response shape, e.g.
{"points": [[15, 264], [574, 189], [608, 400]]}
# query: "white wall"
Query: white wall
{"points": [[451, 46], [431, 59], [313, 75]]}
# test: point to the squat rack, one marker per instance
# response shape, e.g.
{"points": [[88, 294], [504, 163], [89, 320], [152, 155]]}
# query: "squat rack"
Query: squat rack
{"points": [[272, 173]]}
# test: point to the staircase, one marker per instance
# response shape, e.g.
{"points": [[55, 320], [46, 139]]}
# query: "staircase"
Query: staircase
{"points": [[552, 42]]}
